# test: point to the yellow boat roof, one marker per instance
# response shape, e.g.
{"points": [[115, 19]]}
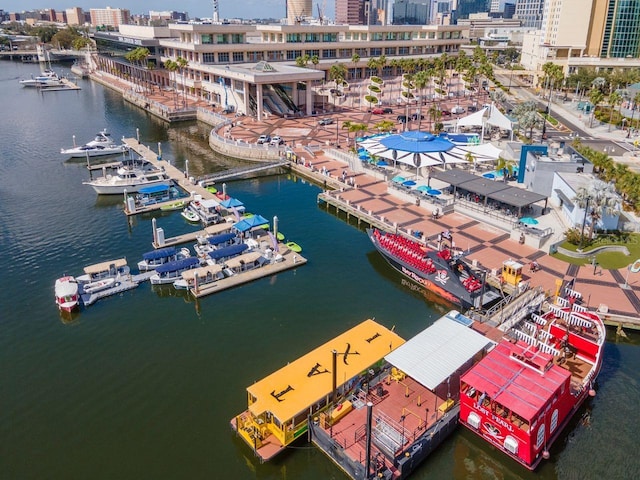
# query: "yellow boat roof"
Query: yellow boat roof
{"points": [[304, 382], [104, 266], [246, 258], [218, 228], [201, 271]]}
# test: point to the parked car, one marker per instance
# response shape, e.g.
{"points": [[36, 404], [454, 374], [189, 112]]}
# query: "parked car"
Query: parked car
{"points": [[387, 110], [415, 116], [263, 139], [472, 108], [458, 109], [377, 111], [326, 121], [445, 113], [402, 118], [276, 140]]}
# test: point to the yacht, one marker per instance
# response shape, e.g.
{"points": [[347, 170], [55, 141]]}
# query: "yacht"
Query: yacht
{"points": [[48, 78], [101, 145], [129, 177]]}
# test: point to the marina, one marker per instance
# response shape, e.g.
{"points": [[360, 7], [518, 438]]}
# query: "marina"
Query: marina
{"points": [[120, 338]]}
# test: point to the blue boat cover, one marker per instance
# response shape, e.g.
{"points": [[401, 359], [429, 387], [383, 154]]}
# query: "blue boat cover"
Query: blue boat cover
{"points": [[160, 253], [222, 238], [154, 189], [251, 222], [178, 265], [231, 203], [228, 251]]}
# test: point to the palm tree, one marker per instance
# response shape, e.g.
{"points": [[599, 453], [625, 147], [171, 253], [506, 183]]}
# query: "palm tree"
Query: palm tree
{"points": [[614, 99], [598, 199], [469, 157], [434, 116], [315, 60], [355, 58], [636, 103], [385, 125], [172, 67], [421, 80], [182, 64], [505, 166], [595, 96]]}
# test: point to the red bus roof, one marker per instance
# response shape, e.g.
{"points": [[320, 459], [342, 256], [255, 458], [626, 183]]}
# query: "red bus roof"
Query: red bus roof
{"points": [[510, 382]]}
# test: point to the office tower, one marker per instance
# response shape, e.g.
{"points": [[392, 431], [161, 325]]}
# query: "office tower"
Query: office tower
{"points": [[621, 35], [297, 9], [531, 12], [75, 16], [352, 12], [466, 7], [109, 16], [411, 12]]}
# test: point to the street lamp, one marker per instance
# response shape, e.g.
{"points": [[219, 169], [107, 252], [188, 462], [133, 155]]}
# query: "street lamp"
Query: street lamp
{"points": [[584, 222]]}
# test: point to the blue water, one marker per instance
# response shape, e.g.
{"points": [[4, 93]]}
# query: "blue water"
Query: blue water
{"points": [[143, 384]]}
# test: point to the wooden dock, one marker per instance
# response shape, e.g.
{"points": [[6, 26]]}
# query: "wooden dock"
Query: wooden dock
{"points": [[124, 284]]}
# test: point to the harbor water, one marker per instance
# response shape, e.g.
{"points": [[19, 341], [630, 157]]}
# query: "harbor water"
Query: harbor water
{"points": [[143, 384]]}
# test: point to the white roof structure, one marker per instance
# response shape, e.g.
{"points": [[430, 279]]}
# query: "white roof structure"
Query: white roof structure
{"points": [[496, 118], [473, 120], [439, 351]]}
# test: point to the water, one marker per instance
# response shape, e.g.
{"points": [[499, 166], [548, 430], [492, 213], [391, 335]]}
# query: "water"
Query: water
{"points": [[142, 385]]}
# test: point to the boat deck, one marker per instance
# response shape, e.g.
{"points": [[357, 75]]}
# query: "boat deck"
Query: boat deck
{"points": [[123, 285], [289, 260]]}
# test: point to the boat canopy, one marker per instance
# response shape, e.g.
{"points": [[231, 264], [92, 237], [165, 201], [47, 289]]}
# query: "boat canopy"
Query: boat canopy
{"points": [[229, 251], [177, 265], [221, 238], [160, 253], [250, 257], [105, 266], [437, 352], [202, 272], [303, 382], [153, 189], [250, 222], [522, 390]]}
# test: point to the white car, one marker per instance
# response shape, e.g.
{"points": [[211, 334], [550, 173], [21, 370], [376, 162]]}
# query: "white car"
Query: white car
{"points": [[457, 109], [263, 139], [276, 140]]}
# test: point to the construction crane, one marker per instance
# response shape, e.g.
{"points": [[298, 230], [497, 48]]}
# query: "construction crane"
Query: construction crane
{"points": [[321, 10]]}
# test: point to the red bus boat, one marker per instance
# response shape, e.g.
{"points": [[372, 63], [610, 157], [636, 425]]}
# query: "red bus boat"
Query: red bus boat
{"points": [[522, 395]]}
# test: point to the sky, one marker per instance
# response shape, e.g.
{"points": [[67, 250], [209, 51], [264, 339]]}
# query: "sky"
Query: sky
{"points": [[195, 8]]}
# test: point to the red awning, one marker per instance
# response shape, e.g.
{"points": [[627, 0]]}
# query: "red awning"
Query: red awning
{"points": [[521, 389]]}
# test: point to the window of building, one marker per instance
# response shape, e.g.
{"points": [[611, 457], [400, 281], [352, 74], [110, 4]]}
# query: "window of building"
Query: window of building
{"points": [[311, 37], [329, 37], [223, 57], [346, 53], [390, 51], [238, 56], [294, 38], [237, 38], [432, 35], [347, 36], [329, 53], [206, 39], [376, 37], [208, 58], [312, 53], [403, 50], [293, 54], [222, 38], [375, 52]]}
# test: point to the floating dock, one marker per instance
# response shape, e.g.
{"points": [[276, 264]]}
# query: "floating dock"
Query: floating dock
{"points": [[124, 284]]}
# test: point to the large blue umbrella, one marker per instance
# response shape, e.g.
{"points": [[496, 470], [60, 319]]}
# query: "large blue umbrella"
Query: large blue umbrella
{"points": [[408, 183], [489, 175], [398, 179], [422, 188], [434, 192], [528, 221], [382, 163]]}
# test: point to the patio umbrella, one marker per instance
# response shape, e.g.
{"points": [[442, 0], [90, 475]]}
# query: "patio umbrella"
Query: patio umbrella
{"points": [[422, 188], [434, 192], [382, 163], [488, 175], [398, 179], [408, 183], [528, 221]]}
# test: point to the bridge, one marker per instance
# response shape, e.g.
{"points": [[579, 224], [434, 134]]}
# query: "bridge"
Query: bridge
{"points": [[242, 172]]}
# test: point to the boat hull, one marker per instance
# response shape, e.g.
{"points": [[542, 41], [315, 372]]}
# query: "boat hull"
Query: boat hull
{"points": [[119, 189], [94, 152]]}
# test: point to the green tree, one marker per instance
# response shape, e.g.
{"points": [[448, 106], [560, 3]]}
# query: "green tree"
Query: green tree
{"points": [[615, 99], [596, 97], [598, 199]]}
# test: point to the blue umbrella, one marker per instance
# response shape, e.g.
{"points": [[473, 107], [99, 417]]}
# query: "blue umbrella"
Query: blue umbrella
{"points": [[433, 191], [528, 221], [382, 163], [489, 175], [408, 183], [422, 188], [398, 179]]}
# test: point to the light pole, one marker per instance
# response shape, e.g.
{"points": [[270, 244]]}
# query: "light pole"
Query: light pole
{"points": [[584, 222]]}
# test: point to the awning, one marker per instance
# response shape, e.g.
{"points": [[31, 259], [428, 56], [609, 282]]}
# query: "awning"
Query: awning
{"points": [[473, 120], [438, 352], [517, 197]]}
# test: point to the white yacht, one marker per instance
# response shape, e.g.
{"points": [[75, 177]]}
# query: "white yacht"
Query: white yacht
{"points": [[102, 144], [130, 177], [48, 78]]}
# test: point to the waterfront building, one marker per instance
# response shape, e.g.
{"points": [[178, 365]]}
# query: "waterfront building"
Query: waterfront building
{"points": [[252, 68], [113, 17]]}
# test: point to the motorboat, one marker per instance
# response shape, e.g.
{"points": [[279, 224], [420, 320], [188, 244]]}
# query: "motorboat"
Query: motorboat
{"points": [[171, 271], [210, 243], [101, 145], [524, 393], [103, 270], [177, 205], [443, 271], [48, 78], [190, 215], [98, 285], [153, 259], [66, 291], [130, 178]]}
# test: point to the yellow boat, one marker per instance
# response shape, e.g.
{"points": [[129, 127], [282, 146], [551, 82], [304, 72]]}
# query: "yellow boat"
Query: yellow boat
{"points": [[281, 404]]}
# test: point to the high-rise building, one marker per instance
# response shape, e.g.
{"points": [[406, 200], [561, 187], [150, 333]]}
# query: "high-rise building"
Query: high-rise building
{"points": [[75, 16], [466, 7], [411, 12], [110, 16], [352, 12], [297, 10], [621, 33], [530, 12]]}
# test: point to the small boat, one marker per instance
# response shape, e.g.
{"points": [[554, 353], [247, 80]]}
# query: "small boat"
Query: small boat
{"points": [[98, 285], [66, 291], [212, 189], [190, 215], [155, 258], [103, 270], [179, 205], [101, 145], [171, 271], [294, 247], [522, 395], [210, 243], [48, 78]]}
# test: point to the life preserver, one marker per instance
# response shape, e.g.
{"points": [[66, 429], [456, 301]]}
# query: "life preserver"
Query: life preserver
{"points": [[635, 266]]}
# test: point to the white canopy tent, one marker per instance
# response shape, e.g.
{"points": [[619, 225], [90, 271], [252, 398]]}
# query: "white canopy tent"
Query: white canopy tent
{"points": [[496, 118]]}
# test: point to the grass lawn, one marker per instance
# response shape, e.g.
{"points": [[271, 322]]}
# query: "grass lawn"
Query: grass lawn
{"points": [[606, 260]]}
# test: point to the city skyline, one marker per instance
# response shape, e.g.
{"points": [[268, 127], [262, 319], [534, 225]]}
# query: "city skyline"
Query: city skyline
{"points": [[195, 8]]}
